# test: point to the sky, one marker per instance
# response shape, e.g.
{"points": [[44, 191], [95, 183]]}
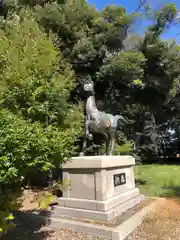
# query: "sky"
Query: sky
{"points": [[131, 5]]}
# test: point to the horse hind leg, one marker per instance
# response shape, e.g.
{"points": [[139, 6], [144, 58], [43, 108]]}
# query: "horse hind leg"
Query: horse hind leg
{"points": [[106, 144], [86, 132], [84, 146], [113, 142]]}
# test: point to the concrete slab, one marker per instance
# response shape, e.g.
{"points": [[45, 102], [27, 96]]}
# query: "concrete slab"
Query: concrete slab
{"points": [[98, 162], [98, 205], [92, 177], [114, 233], [97, 215], [101, 186]]}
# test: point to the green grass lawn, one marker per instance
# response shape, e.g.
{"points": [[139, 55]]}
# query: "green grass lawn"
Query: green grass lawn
{"points": [[158, 180]]}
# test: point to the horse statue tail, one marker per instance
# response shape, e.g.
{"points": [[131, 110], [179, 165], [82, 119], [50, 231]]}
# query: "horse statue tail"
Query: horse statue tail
{"points": [[121, 121]]}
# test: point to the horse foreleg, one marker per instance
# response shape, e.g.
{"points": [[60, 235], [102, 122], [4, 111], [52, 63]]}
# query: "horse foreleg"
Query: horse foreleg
{"points": [[106, 143], [113, 142], [84, 144], [87, 126], [87, 135]]}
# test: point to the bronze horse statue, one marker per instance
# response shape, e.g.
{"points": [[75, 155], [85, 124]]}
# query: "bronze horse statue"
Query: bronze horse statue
{"points": [[99, 122]]}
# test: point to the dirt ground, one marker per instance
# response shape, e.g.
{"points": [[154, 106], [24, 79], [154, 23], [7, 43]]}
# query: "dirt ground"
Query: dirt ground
{"points": [[163, 224]]}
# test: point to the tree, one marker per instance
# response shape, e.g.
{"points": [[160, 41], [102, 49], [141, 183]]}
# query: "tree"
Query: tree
{"points": [[126, 77], [161, 69], [38, 124]]}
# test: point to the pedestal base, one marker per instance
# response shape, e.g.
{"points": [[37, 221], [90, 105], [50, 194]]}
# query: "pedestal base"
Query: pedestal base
{"points": [[95, 214], [102, 187]]}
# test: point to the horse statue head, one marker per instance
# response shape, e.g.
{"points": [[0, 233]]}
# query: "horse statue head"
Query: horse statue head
{"points": [[85, 87], [88, 86]]}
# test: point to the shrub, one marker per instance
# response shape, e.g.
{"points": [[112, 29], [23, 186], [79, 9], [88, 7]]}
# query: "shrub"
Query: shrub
{"points": [[124, 149], [27, 147], [38, 123]]}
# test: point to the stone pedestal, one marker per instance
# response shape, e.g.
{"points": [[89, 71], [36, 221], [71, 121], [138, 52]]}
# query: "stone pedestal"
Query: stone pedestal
{"points": [[102, 187]]}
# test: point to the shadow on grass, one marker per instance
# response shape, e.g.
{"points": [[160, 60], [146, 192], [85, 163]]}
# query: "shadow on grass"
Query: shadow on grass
{"points": [[140, 182], [29, 226], [171, 191]]}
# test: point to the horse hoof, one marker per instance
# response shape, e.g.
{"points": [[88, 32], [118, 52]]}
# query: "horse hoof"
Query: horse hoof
{"points": [[90, 137]]}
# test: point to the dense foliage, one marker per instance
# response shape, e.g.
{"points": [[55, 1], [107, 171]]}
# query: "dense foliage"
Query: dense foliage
{"points": [[135, 76], [46, 49], [38, 124]]}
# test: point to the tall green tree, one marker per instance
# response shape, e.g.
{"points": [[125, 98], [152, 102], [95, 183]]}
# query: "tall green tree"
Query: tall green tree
{"points": [[135, 76], [136, 80], [38, 124]]}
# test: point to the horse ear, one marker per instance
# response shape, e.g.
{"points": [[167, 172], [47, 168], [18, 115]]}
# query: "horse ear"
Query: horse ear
{"points": [[79, 81], [79, 87]]}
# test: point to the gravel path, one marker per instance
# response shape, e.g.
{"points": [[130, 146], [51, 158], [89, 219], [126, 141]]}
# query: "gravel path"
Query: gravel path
{"points": [[163, 225], [31, 228]]}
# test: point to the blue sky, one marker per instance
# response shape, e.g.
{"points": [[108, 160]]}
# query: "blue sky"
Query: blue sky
{"points": [[131, 5]]}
